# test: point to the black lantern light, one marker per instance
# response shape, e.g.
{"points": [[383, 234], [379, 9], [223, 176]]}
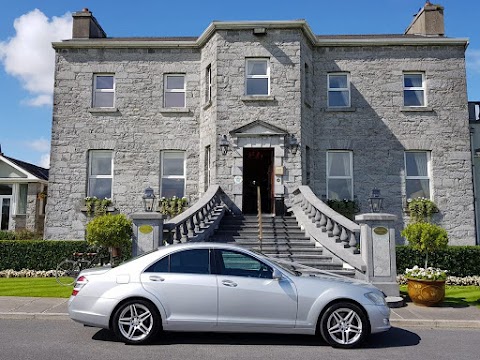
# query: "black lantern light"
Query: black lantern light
{"points": [[148, 199], [224, 144], [375, 200], [293, 144]]}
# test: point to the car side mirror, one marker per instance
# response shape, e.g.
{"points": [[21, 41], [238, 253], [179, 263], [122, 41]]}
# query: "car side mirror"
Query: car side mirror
{"points": [[277, 275]]}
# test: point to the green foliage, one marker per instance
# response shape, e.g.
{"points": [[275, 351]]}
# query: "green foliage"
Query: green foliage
{"points": [[97, 207], [172, 206], [7, 235], [421, 209], [347, 208], [459, 260], [20, 235], [109, 230]]}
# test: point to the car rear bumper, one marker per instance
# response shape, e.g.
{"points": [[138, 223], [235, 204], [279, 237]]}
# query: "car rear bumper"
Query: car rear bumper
{"points": [[91, 311]]}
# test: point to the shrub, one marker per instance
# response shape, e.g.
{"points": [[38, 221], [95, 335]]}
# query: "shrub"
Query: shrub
{"points": [[172, 206], [23, 234], [109, 231], [347, 208], [421, 209], [7, 235]]}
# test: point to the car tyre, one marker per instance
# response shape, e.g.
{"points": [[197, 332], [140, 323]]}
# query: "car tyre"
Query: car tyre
{"points": [[344, 325], [136, 322]]}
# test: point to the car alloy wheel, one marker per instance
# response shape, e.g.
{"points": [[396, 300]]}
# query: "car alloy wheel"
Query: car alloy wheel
{"points": [[344, 325], [136, 322]]}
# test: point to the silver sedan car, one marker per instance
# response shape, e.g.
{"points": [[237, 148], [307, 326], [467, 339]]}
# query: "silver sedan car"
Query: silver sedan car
{"points": [[224, 288]]}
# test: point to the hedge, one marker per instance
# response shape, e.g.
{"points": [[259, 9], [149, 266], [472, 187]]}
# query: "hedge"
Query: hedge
{"points": [[42, 255], [458, 260]]}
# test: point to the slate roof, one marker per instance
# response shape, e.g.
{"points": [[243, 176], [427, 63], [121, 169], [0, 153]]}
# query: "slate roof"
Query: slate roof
{"points": [[35, 170]]}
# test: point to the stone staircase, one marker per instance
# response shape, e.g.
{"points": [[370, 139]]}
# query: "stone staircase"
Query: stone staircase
{"points": [[282, 239]]}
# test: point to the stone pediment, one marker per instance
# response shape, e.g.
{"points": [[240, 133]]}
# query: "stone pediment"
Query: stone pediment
{"points": [[258, 128]]}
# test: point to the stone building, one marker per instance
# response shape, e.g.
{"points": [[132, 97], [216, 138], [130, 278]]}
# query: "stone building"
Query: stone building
{"points": [[264, 102]]}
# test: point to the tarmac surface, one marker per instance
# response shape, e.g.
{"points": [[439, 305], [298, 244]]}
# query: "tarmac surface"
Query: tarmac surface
{"points": [[411, 315]]}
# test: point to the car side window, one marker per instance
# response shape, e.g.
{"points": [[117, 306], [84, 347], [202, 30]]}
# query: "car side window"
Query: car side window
{"points": [[237, 264], [184, 262]]}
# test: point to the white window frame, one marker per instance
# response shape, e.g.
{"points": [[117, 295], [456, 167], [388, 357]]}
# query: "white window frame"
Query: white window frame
{"points": [[207, 169], [208, 82], [415, 88], [165, 90], [418, 177], [340, 177], [329, 89], [90, 176], [97, 91], [184, 176], [266, 76]]}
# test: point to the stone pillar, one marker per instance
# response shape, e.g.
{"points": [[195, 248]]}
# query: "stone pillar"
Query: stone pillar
{"points": [[377, 246], [147, 232]]}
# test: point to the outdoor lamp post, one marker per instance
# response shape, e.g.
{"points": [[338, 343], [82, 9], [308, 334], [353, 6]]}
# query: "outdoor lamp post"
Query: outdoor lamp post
{"points": [[293, 144], [224, 144], [375, 200], [148, 199]]}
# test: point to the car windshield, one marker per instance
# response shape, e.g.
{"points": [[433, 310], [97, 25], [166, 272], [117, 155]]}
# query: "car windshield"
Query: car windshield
{"points": [[288, 268]]}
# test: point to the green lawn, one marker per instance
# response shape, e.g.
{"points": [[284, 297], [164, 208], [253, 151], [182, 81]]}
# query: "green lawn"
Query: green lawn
{"points": [[457, 296], [33, 287]]}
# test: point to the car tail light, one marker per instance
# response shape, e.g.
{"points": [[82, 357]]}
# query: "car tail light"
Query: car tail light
{"points": [[79, 284]]}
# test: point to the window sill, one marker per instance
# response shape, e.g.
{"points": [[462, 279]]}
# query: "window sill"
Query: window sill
{"points": [[175, 110], [257, 98], [207, 105], [341, 109], [417, 109], [103, 110]]}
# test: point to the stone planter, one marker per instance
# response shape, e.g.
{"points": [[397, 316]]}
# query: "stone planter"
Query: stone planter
{"points": [[426, 292]]}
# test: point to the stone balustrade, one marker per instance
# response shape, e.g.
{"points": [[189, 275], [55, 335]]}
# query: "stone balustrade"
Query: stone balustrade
{"points": [[199, 221]]}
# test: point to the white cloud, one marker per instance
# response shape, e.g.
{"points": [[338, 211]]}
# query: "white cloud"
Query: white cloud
{"points": [[40, 145], [29, 55], [45, 161], [473, 60]]}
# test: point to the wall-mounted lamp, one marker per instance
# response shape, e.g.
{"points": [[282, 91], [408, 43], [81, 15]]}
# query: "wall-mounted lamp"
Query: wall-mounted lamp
{"points": [[148, 199], [375, 200], [293, 144], [224, 144]]}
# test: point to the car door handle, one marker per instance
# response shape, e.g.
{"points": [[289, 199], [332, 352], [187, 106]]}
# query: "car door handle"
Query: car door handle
{"points": [[156, 278], [229, 283]]}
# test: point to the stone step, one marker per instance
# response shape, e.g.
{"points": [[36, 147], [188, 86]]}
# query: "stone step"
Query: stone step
{"points": [[297, 256]]}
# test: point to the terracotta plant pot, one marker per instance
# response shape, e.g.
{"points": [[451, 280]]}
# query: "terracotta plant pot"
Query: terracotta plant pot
{"points": [[426, 292]]}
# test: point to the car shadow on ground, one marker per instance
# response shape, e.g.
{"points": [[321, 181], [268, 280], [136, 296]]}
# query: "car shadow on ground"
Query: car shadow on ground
{"points": [[395, 337]]}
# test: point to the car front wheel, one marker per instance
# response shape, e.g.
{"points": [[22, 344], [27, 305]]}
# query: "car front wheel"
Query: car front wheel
{"points": [[136, 322], [344, 325]]}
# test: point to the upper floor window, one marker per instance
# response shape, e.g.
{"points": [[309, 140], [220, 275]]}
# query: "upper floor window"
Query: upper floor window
{"points": [[103, 91], [339, 175], [208, 84], [257, 79], [414, 89], [173, 174], [100, 174], [174, 94], [417, 174], [338, 90], [308, 84]]}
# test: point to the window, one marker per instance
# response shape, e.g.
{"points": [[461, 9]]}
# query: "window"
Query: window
{"points": [[174, 94], [237, 264], [208, 83], [184, 262], [417, 174], [413, 89], [308, 164], [22, 199], [103, 91], [339, 175], [257, 77], [308, 85], [100, 174], [207, 167], [338, 90], [173, 174]]}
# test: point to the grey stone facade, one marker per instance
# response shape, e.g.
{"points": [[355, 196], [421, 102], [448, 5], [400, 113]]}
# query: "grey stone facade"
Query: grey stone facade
{"points": [[376, 128]]}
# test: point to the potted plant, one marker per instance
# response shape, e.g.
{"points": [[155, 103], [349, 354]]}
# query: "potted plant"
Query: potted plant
{"points": [[426, 286], [110, 231]]}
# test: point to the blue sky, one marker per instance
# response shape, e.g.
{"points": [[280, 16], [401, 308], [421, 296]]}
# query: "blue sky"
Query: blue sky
{"points": [[26, 58]]}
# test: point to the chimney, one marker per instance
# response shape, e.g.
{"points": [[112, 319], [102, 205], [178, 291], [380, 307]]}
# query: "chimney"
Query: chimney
{"points": [[428, 21], [85, 26]]}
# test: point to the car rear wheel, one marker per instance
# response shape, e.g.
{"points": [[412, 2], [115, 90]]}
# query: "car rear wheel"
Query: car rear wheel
{"points": [[344, 325], [136, 322]]}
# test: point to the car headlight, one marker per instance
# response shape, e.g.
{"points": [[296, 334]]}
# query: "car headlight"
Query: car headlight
{"points": [[376, 298]]}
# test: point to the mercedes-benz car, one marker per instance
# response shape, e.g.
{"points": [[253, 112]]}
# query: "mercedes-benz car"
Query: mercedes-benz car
{"points": [[216, 287]]}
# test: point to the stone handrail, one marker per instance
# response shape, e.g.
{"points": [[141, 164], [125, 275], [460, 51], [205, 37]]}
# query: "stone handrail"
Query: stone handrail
{"points": [[199, 221], [318, 218]]}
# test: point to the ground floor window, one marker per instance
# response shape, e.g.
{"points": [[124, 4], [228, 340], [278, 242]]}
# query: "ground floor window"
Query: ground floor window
{"points": [[100, 174], [417, 174], [173, 174], [339, 175]]}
